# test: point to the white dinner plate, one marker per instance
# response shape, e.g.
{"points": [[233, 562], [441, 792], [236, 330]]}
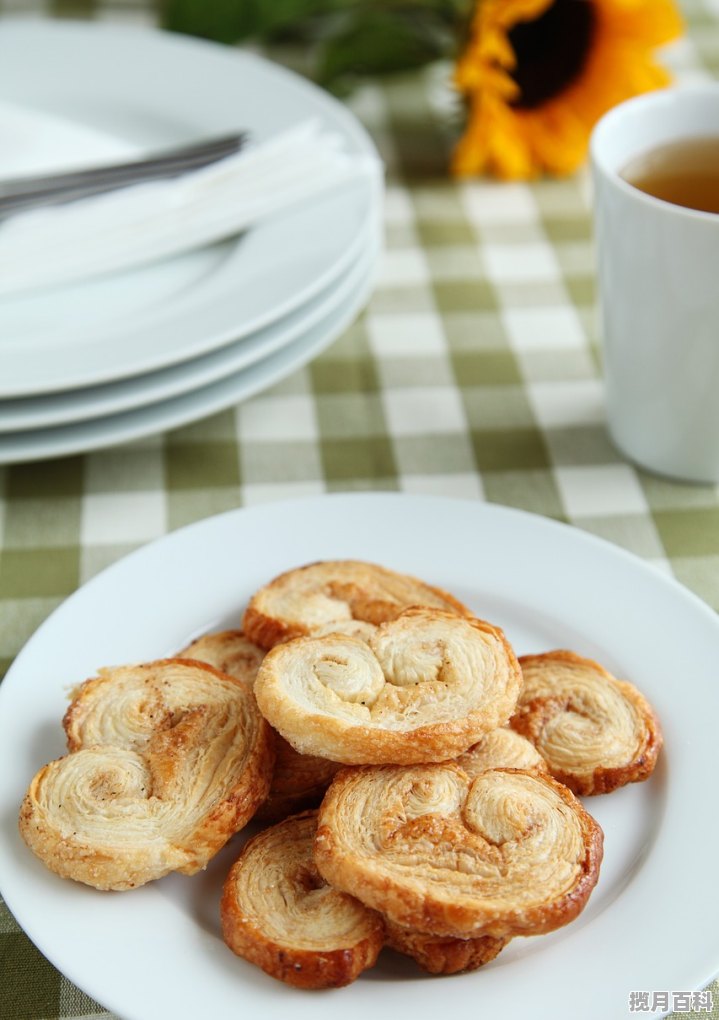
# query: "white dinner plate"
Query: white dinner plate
{"points": [[651, 922], [110, 430], [150, 89], [55, 409]]}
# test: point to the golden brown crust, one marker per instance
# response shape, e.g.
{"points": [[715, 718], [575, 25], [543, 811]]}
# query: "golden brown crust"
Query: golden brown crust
{"points": [[330, 595], [501, 749], [229, 651], [167, 760], [299, 780], [425, 687], [595, 732], [508, 853], [278, 913], [443, 955]]}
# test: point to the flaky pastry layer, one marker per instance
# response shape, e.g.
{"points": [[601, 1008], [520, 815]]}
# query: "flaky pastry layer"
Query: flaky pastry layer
{"points": [[595, 732], [501, 749], [230, 651], [298, 780], [345, 596], [278, 912], [425, 687], [439, 955], [167, 760], [507, 853]]}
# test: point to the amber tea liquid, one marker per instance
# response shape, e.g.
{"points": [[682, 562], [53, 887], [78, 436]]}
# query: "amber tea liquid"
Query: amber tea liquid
{"points": [[684, 172]]}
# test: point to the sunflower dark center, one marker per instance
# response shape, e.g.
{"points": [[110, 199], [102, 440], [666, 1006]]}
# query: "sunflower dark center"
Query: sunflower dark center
{"points": [[551, 50]]}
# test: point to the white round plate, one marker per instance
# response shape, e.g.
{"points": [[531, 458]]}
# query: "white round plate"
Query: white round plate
{"points": [[55, 409], [651, 923], [153, 89], [97, 433]]}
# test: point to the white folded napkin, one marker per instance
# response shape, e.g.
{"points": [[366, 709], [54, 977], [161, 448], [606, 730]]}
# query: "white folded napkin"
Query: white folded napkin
{"points": [[56, 245]]}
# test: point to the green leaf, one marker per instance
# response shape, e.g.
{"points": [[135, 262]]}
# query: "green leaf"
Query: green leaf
{"points": [[231, 20], [221, 20], [348, 38], [378, 41], [292, 17]]}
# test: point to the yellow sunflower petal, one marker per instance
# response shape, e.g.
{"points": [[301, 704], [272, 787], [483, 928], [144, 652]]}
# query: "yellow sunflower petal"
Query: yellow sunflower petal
{"points": [[494, 142], [558, 139], [508, 13], [651, 23], [515, 142]]}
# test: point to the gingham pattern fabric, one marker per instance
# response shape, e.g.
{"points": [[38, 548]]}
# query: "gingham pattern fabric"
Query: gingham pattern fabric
{"points": [[473, 372]]}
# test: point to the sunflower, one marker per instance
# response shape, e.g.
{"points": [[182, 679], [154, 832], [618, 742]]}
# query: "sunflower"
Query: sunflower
{"points": [[538, 74]]}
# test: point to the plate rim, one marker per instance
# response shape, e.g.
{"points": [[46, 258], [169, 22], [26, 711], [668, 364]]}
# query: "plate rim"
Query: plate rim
{"points": [[104, 432], [230, 359], [343, 120], [701, 971]]}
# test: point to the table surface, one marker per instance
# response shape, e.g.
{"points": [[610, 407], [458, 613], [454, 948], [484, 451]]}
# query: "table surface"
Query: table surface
{"points": [[474, 372]]}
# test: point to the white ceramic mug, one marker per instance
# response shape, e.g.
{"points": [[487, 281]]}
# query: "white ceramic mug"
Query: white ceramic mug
{"points": [[659, 292]]}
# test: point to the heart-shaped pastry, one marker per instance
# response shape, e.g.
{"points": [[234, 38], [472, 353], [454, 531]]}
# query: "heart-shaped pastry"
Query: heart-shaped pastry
{"points": [[595, 732], [345, 596], [507, 853], [425, 687], [167, 760]]}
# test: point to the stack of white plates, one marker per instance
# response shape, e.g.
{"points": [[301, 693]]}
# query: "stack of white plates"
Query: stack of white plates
{"points": [[124, 356]]}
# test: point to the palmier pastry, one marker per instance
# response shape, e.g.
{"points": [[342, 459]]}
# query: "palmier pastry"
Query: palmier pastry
{"points": [[425, 687], [596, 733], [329, 596], [229, 651], [507, 853], [501, 749], [439, 955], [299, 780], [167, 760], [278, 912]]}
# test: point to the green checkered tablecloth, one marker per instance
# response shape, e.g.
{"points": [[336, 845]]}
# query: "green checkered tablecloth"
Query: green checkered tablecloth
{"points": [[473, 372]]}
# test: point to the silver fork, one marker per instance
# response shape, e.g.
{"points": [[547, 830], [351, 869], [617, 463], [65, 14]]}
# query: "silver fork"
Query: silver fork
{"points": [[23, 193]]}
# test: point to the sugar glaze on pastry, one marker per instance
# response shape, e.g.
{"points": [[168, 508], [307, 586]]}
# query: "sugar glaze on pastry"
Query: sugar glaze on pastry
{"points": [[595, 732], [425, 687], [167, 760]]}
